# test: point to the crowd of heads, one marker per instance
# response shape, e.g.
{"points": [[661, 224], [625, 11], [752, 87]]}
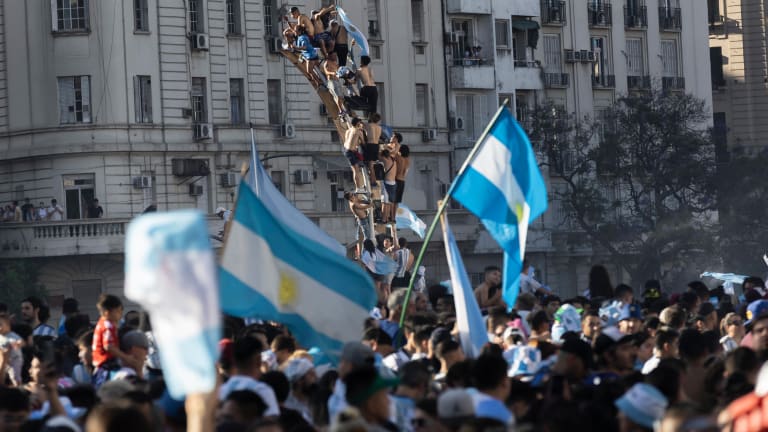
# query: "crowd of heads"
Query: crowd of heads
{"points": [[29, 212]]}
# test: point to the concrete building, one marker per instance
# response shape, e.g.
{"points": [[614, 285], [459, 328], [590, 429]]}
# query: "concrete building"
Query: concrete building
{"points": [[738, 62]]}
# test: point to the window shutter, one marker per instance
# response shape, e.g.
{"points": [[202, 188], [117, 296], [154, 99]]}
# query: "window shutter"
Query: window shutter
{"points": [[146, 97], [137, 99], [85, 83], [54, 16], [66, 100]]}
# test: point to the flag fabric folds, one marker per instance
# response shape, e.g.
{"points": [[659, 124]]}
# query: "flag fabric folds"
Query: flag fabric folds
{"points": [[405, 217], [354, 32], [468, 316], [270, 270], [170, 271], [504, 188]]}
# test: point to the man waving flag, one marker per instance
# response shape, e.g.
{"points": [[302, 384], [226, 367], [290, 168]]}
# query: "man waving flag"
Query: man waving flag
{"points": [[502, 185]]}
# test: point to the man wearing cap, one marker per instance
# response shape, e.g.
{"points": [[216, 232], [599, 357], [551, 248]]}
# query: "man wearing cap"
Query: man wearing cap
{"points": [[640, 407], [368, 392], [136, 345], [454, 407], [630, 319], [246, 370], [303, 379], [354, 355], [706, 317], [757, 323], [616, 354], [574, 360]]}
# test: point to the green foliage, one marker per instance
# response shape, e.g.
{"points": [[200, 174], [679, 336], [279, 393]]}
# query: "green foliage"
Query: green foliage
{"points": [[18, 280], [638, 179]]}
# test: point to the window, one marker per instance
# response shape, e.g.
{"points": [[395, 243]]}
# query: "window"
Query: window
{"points": [[635, 57], [381, 101], [199, 105], [375, 52], [716, 65], [374, 30], [417, 17], [553, 54], [149, 194], [142, 98], [233, 17], [269, 20], [669, 59], [599, 46], [422, 105], [502, 34], [69, 15], [141, 15], [74, 99], [236, 105], [196, 16], [278, 179], [78, 193], [466, 110], [713, 11], [275, 101], [463, 34]]}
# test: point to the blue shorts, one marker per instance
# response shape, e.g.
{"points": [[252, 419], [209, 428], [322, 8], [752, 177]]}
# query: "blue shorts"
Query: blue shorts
{"points": [[324, 36]]}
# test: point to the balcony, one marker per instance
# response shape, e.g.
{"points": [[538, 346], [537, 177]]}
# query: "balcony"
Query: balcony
{"points": [[673, 83], [604, 82], [72, 237], [527, 75], [474, 7], [670, 19], [553, 12], [636, 17], [636, 82], [524, 8], [556, 80], [472, 73], [600, 16]]}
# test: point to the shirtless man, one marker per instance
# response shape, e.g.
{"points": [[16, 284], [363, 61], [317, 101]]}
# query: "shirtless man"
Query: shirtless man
{"points": [[309, 55], [291, 34], [371, 148], [402, 154], [488, 293], [322, 38], [340, 46], [390, 170], [353, 139], [360, 210], [369, 91], [330, 68]]}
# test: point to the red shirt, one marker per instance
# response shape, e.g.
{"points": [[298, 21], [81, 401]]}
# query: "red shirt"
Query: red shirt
{"points": [[104, 335]]}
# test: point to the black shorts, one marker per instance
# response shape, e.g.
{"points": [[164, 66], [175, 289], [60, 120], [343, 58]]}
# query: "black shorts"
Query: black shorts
{"points": [[399, 189], [370, 152], [371, 95], [352, 157], [342, 50]]}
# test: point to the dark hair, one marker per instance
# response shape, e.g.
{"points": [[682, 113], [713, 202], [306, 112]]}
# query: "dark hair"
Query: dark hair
{"points": [[652, 283], [622, 289], [385, 153], [118, 417], [294, 9], [365, 60], [447, 347], [399, 137], [108, 302], [700, 289], [405, 151], [86, 339], [377, 335], [284, 342], [250, 404], [665, 336], [742, 359], [348, 195], [488, 371], [434, 292], [69, 306], [375, 117], [36, 302], [537, 319], [13, 399], [600, 282], [652, 323], [692, 345], [369, 247], [666, 378], [279, 383], [355, 121], [358, 381], [491, 268], [459, 374], [403, 242], [414, 374], [246, 352], [755, 281], [76, 325]]}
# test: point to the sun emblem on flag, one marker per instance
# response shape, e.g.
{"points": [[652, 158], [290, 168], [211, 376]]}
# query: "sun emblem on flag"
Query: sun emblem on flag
{"points": [[400, 210], [287, 292]]}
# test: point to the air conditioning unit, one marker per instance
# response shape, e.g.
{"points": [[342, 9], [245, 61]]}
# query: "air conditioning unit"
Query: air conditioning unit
{"points": [[457, 123], [429, 135], [203, 131], [287, 130], [302, 177], [275, 45], [189, 167], [585, 55], [228, 179], [143, 182], [591, 56], [200, 42], [576, 56], [570, 56], [323, 110], [195, 189]]}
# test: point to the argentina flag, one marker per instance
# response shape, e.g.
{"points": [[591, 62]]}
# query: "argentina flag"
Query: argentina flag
{"points": [[271, 271], [504, 188], [354, 32], [406, 218]]}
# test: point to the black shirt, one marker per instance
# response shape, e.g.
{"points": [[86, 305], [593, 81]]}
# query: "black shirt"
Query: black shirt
{"points": [[95, 212]]}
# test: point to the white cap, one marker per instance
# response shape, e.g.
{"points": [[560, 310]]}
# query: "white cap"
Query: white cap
{"points": [[220, 210]]}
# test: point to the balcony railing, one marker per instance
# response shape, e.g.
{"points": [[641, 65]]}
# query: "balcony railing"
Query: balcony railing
{"points": [[673, 83], [600, 16], [636, 82], [604, 81], [553, 12], [526, 64], [84, 229], [472, 61], [670, 19], [556, 80], [636, 17]]}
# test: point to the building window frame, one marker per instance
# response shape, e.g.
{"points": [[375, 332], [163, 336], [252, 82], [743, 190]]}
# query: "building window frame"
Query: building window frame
{"points": [[417, 20], [502, 41], [74, 96], [70, 16], [199, 100], [142, 98], [237, 101], [232, 12], [196, 16], [141, 16], [275, 101], [421, 93]]}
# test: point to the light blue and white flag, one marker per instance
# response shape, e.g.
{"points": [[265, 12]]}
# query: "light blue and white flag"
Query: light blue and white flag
{"points": [[468, 316], [504, 188], [272, 271], [354, 32], [405, 217], [729, 280], [170, 271]]}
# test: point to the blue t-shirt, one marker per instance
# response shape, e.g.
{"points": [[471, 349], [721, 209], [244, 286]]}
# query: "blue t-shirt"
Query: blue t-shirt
{"points": [[308, 51]]}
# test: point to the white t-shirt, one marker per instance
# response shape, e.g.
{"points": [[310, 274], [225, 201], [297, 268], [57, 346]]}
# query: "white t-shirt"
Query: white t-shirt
{"points": [[528, 284], [56, 213]]}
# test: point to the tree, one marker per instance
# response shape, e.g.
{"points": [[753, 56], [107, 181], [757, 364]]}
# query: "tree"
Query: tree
{"points": [[18, 280], [638, 179]]}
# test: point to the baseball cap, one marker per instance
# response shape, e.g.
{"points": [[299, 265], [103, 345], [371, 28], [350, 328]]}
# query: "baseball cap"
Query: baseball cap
{"points": [[755, 310], [609, 338], [455, 406], [296, 368], [220, 210], [643, 404], [134, 338], [358, 354], [379, 383], [580, 349], [630, 311]]}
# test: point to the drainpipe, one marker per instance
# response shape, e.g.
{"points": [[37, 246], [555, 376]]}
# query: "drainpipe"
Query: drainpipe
{"points": [[443, 17]]}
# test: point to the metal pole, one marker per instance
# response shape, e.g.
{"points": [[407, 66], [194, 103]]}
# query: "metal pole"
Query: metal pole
{"points": [[443, 205]]}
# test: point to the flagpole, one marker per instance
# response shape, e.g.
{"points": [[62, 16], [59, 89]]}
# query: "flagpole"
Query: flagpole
{"points": [[442, 206]]}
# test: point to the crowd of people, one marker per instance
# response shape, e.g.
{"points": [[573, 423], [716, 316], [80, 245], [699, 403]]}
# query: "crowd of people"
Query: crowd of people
{"points": [[614, 361], [54, 212]]}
